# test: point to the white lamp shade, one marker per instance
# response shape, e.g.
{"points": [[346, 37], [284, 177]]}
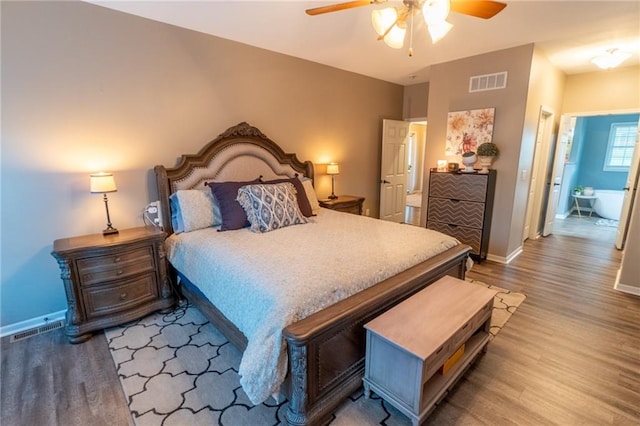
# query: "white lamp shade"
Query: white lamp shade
{"points": [[435, 11], [333, 169], [395, 37], [102, 182], [438, 30], [382, 19]]}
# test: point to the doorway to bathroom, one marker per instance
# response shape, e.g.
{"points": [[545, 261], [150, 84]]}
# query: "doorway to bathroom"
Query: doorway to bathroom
{"points": [[596, 185]]}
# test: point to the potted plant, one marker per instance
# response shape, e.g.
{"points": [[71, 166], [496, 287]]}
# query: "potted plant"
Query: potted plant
{"points": [[578, 190], [486, 153]]}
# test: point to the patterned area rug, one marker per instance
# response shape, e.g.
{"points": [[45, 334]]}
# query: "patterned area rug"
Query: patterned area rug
{"points": [[178, 369]]}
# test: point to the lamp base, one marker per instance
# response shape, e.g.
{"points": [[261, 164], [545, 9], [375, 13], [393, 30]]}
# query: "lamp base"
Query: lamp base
{"points": [[333, 196], [109, 230]]}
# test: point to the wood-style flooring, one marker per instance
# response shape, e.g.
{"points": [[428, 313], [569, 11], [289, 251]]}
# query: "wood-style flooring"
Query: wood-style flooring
{"points": [[569, 356]]}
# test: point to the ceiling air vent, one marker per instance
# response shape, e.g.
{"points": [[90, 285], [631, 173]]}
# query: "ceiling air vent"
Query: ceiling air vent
{"points": [[480, 83]]}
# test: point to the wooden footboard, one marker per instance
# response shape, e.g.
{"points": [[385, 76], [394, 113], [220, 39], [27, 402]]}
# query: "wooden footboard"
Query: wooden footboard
{"points": [[327, 349]]}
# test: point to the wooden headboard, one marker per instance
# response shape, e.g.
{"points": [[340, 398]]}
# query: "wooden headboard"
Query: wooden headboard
{"points": [[241, 153]]}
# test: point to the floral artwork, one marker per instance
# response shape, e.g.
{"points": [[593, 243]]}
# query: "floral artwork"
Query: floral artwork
{"points": [[466, 130]]}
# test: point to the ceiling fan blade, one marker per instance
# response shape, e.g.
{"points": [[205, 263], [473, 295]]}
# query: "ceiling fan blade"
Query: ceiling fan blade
{"points": [[339, 6], [479, 8]]}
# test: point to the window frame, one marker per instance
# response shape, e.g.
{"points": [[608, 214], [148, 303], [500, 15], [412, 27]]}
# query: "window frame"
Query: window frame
{"points": [[611, 145]]}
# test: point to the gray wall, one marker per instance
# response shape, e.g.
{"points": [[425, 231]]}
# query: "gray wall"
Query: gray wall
{"points": [[86, 88], [516, 110]]}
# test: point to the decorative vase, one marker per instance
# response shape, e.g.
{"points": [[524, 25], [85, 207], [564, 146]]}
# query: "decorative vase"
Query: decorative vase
{"points": [[485, 163], [469, 159]]}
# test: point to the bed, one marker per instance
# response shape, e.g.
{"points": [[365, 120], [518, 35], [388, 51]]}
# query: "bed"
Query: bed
{"points": [[324, 349]]}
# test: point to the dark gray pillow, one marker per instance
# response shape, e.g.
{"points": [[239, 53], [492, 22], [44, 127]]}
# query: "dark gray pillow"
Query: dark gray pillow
{"points": [[301, 194], [233, 215]]}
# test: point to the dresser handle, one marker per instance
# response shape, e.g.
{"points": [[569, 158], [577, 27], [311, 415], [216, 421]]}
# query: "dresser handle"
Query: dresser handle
{"points": [[123, 296], [120, 271], [117, 259]]}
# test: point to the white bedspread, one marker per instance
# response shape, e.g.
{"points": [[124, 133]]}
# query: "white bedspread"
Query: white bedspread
{"points": [[264, 282]]}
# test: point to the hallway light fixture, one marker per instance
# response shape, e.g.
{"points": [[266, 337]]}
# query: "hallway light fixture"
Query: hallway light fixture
{"points": [[611, 59]]}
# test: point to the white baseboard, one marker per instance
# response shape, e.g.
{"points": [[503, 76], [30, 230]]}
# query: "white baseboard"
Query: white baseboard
{"points": [[18, 327], [625, 288], [505, 260]]}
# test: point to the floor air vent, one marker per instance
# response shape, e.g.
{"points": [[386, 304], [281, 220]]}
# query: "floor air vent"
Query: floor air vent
{"points": [[37, 330], [480, 83]]}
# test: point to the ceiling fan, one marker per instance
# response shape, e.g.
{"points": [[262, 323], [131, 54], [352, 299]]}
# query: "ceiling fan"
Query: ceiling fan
{"points": [[391, 23]]}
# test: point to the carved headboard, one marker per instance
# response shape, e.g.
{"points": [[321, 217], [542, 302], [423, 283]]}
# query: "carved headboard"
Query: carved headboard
{"points": [[241, 153]]}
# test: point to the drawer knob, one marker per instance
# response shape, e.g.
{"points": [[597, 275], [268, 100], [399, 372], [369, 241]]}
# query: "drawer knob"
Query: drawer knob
{"points": [[123, 296], [117, 259], [119, 272]]}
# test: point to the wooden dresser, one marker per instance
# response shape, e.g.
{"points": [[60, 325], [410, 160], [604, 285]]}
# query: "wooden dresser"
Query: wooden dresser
{"points": [[112, 279], [461, 205], [344, 203]]}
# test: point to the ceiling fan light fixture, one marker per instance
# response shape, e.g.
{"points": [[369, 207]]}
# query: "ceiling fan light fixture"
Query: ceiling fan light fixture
{"points": [[395, 37], [611, 59], [382, 19], [435, 11], [438, 30]]}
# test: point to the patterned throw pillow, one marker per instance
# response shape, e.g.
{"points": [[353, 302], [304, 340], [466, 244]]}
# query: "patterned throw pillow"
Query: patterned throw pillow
{"points": [[270, 206]]}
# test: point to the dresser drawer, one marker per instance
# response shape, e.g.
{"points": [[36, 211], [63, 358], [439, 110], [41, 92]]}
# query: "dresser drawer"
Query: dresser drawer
{"points": [[458, 186], [435, 361], [469, 236], [465, 213], [98, 269], [109, 299]]}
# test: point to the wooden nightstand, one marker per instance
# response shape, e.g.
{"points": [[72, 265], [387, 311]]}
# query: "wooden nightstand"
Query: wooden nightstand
{"points": [[344, 203], [112, 279]]}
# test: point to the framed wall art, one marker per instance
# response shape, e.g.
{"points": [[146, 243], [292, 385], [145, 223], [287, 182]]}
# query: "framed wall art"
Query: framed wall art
{"points": [[466, 130]]}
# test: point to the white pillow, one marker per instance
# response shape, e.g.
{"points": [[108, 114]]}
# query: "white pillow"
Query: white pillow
{"points": [[270, 206], [193, 209], [311, 195]]}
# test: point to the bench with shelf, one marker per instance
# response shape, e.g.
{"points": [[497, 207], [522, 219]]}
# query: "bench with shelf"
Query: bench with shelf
{"points": [[408, 345]]}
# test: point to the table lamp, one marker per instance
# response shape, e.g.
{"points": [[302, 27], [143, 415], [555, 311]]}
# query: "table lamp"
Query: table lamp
{"points": [[333, 170], [101, 183]]}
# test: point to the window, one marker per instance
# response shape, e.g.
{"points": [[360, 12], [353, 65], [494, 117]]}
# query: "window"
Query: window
{"points": [[622, 141]]}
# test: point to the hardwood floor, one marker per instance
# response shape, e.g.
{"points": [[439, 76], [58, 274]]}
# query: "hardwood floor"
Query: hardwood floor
{"points": [[569, 356]]}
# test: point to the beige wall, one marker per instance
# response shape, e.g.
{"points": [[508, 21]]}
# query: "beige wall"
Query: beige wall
{"points": [[546, 90], [600, 91], [86, 88]]}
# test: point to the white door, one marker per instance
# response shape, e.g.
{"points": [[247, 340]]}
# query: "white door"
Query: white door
{"points": [[393, 170], [538, 174], [629, 195], [567, 125]]}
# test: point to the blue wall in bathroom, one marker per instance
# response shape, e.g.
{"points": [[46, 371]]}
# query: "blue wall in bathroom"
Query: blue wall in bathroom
{"points": [[592, 136]]}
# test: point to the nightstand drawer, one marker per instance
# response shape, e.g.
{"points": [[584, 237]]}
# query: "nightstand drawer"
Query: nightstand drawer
{"points": [[105, 300], [95, 270]]}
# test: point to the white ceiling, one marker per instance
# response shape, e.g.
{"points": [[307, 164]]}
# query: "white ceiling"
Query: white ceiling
{"points": [[569, 32]]}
